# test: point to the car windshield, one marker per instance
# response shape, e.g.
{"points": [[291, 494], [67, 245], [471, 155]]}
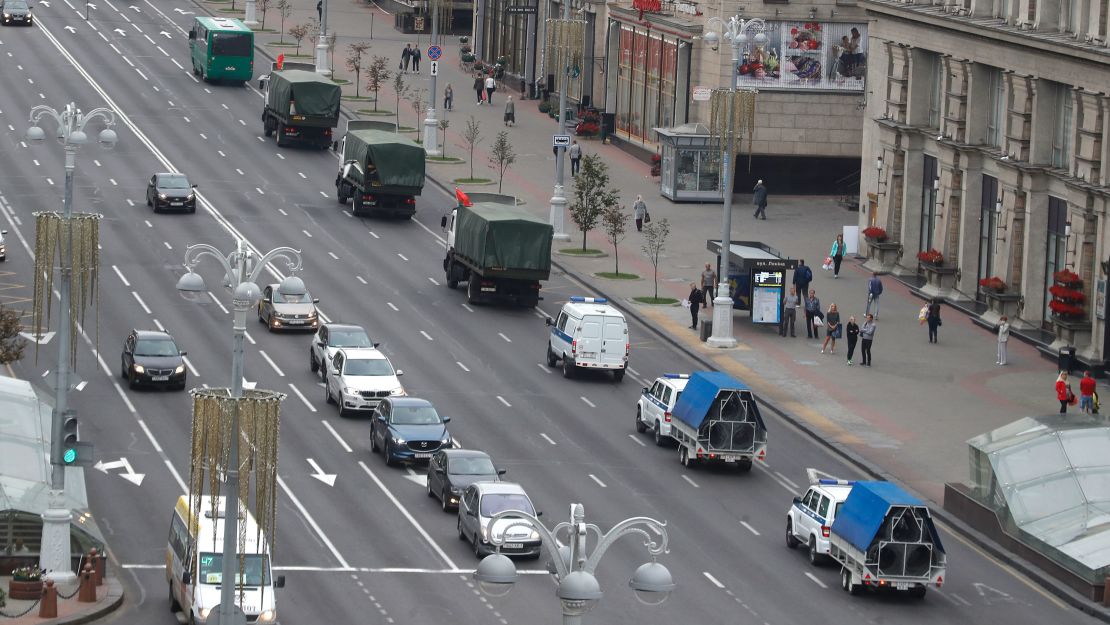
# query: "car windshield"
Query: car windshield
{"points": [[415, 415], [156, 347], [495, 503], [471, 466], [255, 569], [367, 367], [173, 182], [350, 338], [294, 298], [15, 4], [231, 44]]}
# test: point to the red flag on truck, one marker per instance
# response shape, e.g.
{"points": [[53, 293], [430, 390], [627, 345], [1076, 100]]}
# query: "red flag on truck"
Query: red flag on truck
{"points": [[463, 199], [281, 60]]}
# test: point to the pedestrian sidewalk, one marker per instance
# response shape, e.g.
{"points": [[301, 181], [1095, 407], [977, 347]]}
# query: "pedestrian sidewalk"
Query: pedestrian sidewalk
{"points": [[910, 414]]}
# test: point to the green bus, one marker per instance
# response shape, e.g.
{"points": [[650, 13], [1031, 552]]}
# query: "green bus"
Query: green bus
{"points": [[221, 49]]}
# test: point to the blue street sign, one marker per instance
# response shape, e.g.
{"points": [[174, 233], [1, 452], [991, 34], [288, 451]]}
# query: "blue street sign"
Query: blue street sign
{"points": [[434, 52]]}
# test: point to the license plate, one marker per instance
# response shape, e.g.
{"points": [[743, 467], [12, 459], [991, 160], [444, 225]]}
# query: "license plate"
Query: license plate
{"points": [[423, 454], [159, 378], [731, 458], [513, 545], [295, 322], [176, 203], [902, 585]]}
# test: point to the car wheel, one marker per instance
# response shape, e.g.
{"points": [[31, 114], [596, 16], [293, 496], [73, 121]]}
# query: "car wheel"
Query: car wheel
{"points": [[443, 501], [845, 578], [660, 440], [918, 592], [684, 456], [260, 319], [477, 546], [745, 465], [814, 556], [458, 525], [791, 540], [373, 441], [175, 607], [640, 427], [312, 364], [328, 398], [552, 359], [122, 369], [387, 455], [131, 381], [148, 203], [452, 284], [568, 368], [618, 375], [853, 589]]}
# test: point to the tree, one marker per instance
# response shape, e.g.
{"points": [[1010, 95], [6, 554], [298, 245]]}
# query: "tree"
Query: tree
{"points": [[443, 124], [11, 345], [418, 104], [354, 59], [472, 135], [400, 90], [655, 237], [503, 154], [330, 40], [298, 33], [285, 9], [376, 75], [262, 5], [592, 194], [614, 221]]}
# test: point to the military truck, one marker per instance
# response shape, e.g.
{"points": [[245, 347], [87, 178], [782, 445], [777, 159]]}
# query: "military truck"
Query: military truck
{"points": [[302, 107], [382, 172]]}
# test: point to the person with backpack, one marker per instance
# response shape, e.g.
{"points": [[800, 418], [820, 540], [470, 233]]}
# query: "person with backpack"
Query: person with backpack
{"points": [[802, 277], [874, 291]]}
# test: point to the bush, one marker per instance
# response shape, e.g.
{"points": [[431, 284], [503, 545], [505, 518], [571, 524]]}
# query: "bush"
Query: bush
{"points": [[587, 129], [545, 106]]}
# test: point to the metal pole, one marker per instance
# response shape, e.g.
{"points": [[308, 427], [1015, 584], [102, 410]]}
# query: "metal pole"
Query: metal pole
{"points": [[249, 19], [722, 303], [431, 125], [558, 197], [323, 66]]}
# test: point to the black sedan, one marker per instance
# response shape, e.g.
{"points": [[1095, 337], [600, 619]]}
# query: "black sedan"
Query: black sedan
{"points": [[16, 12], [450, 471], [151, 358], [168, 191]]}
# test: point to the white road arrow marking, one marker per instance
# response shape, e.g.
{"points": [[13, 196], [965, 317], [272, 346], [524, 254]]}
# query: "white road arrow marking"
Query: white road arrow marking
{"points": [[168, 36], [416, 478], [249, 385], [183, 12], [122, 32], [128, 474], [90, 5], [71, 29], [327, 478], [41, 339], [45, 4], [135, 9]]}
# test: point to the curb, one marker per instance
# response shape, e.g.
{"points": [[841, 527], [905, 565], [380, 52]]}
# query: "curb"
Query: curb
{"points": [[113, 599]]}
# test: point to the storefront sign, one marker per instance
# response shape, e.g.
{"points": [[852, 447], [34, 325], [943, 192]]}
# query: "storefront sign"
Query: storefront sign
{"points": [[807, 55]]}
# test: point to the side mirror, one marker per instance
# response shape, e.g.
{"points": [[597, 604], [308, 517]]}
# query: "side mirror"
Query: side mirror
{"points": [[443, 222], [400, 373], [547, 321], [262, 83], [644, 390], [316, 300], [797, 500], [183, 353], [186, 578], [192, 35], [539, 513], [440, 470], [279, 581], [502, 471], [446, 419], [381, 418], [3, 232], [320, 344], [376, 345], [195, 186]]}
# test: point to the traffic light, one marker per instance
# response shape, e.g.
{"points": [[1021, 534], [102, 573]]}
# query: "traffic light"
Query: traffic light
{"points": [[68, 451]]}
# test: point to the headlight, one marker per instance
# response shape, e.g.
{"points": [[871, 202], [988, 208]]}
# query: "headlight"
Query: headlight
{"points": [[189, 197], [395, 392], [7, 16], [350, 391], [161, 196], [267, 616], [446, 439], [139, 369], [534, 535], [398, 440], [204, 613], [179, 369]]}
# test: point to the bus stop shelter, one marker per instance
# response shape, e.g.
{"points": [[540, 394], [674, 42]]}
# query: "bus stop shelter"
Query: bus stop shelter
{"points": [[757, 278]]}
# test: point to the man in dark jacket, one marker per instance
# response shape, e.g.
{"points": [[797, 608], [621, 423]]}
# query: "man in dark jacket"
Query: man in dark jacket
{"points": [[696, 299], [759, 199], [874, 291], [406, 55], [802, 277]]}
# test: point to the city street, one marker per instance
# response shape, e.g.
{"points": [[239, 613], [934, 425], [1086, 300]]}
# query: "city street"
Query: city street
{"points": [[373, 548]]}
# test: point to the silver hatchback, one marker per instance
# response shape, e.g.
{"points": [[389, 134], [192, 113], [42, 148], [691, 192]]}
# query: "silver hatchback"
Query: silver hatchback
{"points": [[480, 502]]}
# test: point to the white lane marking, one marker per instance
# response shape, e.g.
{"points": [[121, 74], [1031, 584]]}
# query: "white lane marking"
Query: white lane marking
{"points": [[273, 364], [402, 256], [547, 438], [360, 279], [502, 400], [462, 366], [691, 482], [240, 171], [282, 211], [302, 175], [632, 371], [113, 46], [298, 393], [187, 120], [342, 443], [192, 369], [599, 482], [242, 123], [507, 339], [712, 579], [787, 480], [773, 476], [468, 308], [307, 233], [634, 438], [162, 51], [404, 511], [332, 254], [149, 39], [395, 309], [324, 193], [221, 153], [141, 302], [120, 274], [50, 181], [179, 65], [748, 527], [249, 337], [225, 106], [374, 234], [162, 328], [813, 577], [311, 521], [220, 304], [544, 367], [260, 191], [148, 224], [430, 279], [167, 244], [281, 156], [588, 402], [958, 598], [426, 335], [102, 36]]}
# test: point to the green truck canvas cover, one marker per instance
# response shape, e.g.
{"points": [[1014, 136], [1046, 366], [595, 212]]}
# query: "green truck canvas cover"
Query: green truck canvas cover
{"points": [[504, 241], [399, 161], [313, 96]]}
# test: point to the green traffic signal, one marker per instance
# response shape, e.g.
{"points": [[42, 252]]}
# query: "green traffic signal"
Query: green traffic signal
{"points": [[69, 456]]}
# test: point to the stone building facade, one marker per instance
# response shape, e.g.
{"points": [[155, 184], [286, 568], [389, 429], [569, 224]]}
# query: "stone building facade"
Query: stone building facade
{"points": [[984, 139]]}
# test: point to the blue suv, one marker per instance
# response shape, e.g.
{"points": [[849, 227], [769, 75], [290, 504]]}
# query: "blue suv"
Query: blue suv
{"points": [[408, 429]]}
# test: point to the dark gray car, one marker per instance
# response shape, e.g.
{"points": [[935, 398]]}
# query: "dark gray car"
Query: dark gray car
{"points": [[450, 471], [151, 358], [168, 191], [16, 12]]}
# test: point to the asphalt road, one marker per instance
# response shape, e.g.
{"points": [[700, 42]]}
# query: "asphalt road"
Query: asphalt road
{"points": [[373, 548]]}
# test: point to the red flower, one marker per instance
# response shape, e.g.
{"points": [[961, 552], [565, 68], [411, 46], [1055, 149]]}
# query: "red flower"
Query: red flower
{"points": [[1066, 276], [931, 256], [994, 283], [794, 31], [1065, 309], [1066, 294], [875, 232]]}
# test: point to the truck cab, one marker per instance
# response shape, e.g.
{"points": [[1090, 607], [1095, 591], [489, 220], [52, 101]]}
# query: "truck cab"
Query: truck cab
{"points": [[810, 517]]}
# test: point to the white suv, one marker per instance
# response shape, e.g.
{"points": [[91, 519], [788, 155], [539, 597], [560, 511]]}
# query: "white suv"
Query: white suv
{"points": [[332, 337], [358, 379], [810, 518], [653, 410]]}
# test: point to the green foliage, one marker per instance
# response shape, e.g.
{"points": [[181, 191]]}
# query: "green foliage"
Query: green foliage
{"points": [[614, 222], [298, 33], [592, 194], [472, 135], [655, 238], [443, 125], [400, 90], [11, 345], [285, 9], [376, 75], [503, 154], [545, 107]]}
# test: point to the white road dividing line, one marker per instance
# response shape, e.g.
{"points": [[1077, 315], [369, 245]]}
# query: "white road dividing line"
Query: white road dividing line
{"points": [[307, 233], [179, 65], [404, 511], [690, 482], [301, 174], [632, 371], [162, 328], [187, 120], [221, 153], [148, 224], [773, 476], [106, 39], [149, 39], [468, 308], [375, 234], [547, 438], [342, 443], [360, 279], [814, 579], [249, 337], [113, 181], [128, 61], [167, 244], [220, 304], [395, 309], [507, 339], [544, 367], [324, 193], [192, 369], [588, 402], [120, 274], [311, 521], [748, 527], [462, 366], [260, 191], [599, 482], [141, 302], [637, 440], [50, 181], [787, 480], [273, 364], [240, 171], [281, 156], [433, 281], [712, 579], [504, 401], [162, 51], [242, 123], [332, 254], [282, 211], [427, 336], [402, 257], [297, 392]]}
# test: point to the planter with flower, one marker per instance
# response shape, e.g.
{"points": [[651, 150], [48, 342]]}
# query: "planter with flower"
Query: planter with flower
{"points": [[26, 583], [590, 125], [931, 257], [1069, 312], [999, 302], [940, 279], [875, 233], [882, 254], [656, 165]]}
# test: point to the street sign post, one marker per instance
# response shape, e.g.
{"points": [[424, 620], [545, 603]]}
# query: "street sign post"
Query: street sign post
{"points": [[560, 141], [433, 68], [434, 52], [520, 9]]}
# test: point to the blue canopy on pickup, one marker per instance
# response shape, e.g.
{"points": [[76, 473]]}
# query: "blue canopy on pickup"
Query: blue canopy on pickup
{"points": [[697, 398], [862, 513]]}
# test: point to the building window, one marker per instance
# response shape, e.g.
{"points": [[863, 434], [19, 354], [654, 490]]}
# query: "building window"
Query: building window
{"points": [[1061, 125], [996, 109], [988, 229], [936, 93], [928, 202], [1072, 10], [1057, 248], [646, 79]]}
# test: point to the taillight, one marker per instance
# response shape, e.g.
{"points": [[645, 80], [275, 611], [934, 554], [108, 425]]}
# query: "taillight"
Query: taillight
{"points": [[368, 198], [940, 580], [824, 531], [667, 417], [327, 132], [410, 200], [574, 347]]}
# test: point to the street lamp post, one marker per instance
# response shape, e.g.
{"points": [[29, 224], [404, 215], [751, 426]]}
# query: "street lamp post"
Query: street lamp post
{"points": [[322, 66], [573, 568], [54, 548], [240, 273], [567, 35], [735, 31], [431, 125]]}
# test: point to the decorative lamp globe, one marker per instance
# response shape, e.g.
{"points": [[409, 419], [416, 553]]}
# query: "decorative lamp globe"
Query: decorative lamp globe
{"points": [[652, 582], [496, 575], [579, 592]]}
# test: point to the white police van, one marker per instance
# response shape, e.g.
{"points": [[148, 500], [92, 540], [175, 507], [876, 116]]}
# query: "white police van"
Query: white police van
{"points": [[589, 334], [810, 518], [653, 411]]}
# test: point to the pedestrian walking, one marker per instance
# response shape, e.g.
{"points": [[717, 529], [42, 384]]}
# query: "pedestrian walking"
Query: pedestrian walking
{"points": [[1063, 391], [416, 58], [639, 211], [575, 153], [708, 284], [813, 311], [1087, 393], [510, 112], [851, 331], [1003, 338], [406, 56], [479, 87], [448, 97], [867, 336], [695, 300], [491, 86], [833, 329], [874, 291], [836, 253], [802, 277], [759, 200], [932, 317], [789, 312]]}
